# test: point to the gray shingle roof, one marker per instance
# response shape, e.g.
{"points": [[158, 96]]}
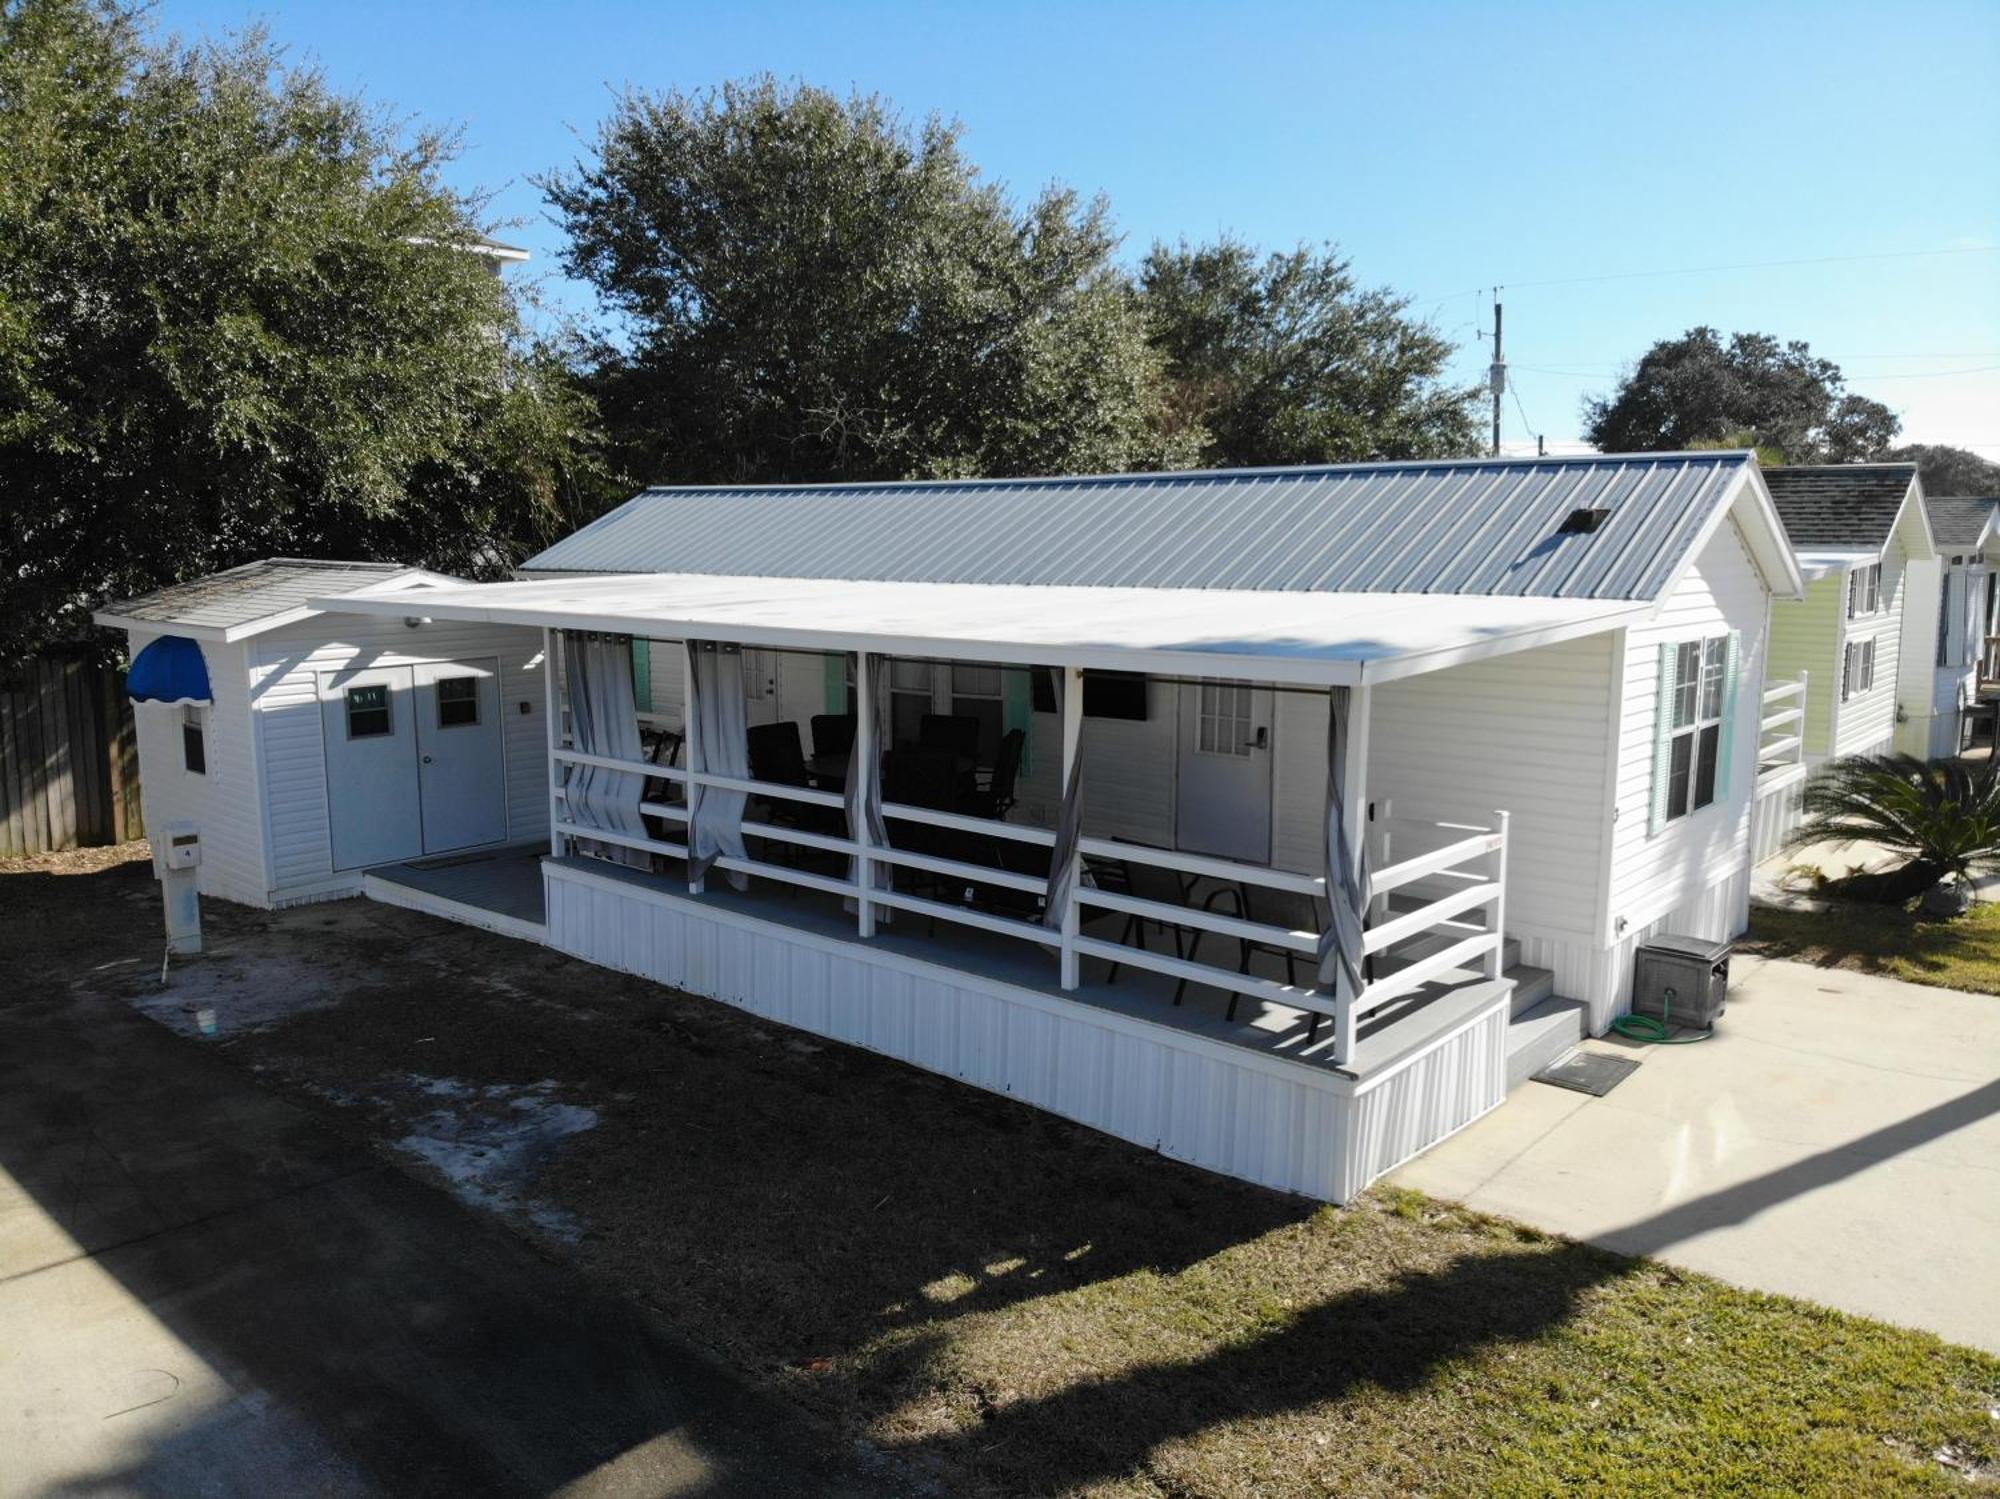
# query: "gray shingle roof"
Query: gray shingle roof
{"points": [[1478, 527], [1840, 504], [254, 591], [1959, 522]]}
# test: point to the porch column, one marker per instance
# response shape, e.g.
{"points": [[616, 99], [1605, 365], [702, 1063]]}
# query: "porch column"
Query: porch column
{"points": [[861, 765], [691, 756], [1354, 819], [552, 708], [1072, 753]]}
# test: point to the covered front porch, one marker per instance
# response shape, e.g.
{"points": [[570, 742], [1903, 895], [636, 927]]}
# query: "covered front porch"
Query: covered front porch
{"points": [[988, 853]]}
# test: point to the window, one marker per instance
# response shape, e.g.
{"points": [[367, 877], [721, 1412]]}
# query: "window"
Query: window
{"points": [[368, 712], [1857, 669], [1864, 590], [1222, 723], [760, 674], [909, 699], [1944, 622], [194, 743], [458, 703], [977, 692], [1699, 697]]}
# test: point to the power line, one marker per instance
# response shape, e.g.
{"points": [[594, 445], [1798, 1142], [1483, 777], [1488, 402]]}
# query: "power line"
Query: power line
{"points": [[1742, 265]]}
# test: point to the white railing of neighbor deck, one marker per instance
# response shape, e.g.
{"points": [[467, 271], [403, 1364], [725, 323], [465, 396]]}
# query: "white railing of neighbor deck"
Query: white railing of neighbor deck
{"points": [[1781, 727]]}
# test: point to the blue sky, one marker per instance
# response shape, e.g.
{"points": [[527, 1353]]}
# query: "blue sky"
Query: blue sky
{"points": [[1558, 150]]}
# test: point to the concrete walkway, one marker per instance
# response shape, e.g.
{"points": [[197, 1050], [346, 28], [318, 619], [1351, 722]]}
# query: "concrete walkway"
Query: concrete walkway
{"points": [[204, 1290], [1839, 1140]]}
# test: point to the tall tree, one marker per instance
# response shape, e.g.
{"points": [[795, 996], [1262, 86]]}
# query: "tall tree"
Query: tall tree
{"points": [[805, 287], [1286, 359], [238, 317], [1950, 471], [1697, 389]]}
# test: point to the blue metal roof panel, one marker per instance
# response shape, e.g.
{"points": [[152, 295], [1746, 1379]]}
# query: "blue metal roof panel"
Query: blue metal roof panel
{"points": [[1478, 527]]}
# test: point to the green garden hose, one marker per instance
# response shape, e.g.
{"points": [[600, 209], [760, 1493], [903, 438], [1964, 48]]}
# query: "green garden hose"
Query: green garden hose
{"points": [[1657, 1031]]}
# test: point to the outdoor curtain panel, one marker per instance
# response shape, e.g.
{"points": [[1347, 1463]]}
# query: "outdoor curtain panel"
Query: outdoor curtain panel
{"points": [[864, 780], [718, 744], [1063, 863], [604, 721], [1346, 868]]}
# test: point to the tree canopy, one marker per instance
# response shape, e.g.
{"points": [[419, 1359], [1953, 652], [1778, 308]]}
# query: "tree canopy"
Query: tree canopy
{"points": [[807, 287], [1286, 359], [238, 318], [1696, 389], [1950, 471]]}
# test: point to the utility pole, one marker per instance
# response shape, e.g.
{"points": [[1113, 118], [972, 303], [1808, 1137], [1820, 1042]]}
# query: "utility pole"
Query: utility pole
{"points": [[1497, 376]]}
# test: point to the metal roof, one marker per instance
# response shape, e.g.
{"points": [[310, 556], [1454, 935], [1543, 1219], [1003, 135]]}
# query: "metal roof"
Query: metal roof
{"points": [[1467, 527], [1267, 635], [1959, 521], [1840, 504], [258, 595]]}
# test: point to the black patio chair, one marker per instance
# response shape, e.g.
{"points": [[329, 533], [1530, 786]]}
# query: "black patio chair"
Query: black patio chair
{"points": [[952, 733], [833, 733], [1290, 909], [993, 790]]}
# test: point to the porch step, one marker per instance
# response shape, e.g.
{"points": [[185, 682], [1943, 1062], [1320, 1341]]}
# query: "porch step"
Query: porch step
{"points": [[1538, 1035]]}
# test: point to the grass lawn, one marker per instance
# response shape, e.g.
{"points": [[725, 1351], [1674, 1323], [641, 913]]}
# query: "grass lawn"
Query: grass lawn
{"points": [[1960, 954], [1003, 1303]]}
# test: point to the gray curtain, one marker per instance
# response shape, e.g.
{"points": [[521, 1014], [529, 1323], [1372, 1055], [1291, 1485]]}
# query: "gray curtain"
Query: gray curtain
{"points": [[1063, 864], [719, 743], [1346, 867], [864, 784], [604, 721]]}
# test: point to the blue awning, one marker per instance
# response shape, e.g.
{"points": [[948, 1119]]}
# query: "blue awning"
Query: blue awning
{"points": [[170, 670]]}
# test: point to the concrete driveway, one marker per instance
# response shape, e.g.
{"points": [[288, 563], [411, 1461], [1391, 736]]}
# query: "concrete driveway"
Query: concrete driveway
{"points": [[206, 1291], [1839, 1140]]}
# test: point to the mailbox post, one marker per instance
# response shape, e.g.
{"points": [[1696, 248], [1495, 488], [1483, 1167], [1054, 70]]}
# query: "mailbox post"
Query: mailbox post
{"points": [[180, 858]]}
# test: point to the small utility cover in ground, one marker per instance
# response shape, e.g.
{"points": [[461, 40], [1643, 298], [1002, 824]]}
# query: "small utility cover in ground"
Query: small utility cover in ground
{"points": [[1592, 1072]]}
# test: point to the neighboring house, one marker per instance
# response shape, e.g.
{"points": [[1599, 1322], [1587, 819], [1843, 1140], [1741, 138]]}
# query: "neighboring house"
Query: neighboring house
{"points": [[1959, 585], [308, 746], [1861, 640], [1528, 691]]}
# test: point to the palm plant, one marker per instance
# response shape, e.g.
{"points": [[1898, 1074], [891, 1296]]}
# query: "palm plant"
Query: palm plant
{"points": [[1942, 816]]}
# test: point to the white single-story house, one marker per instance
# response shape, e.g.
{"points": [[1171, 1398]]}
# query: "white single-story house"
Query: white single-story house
{"points": [[317, 745], [1279, 820], [1859, 646], [1959, 586]]}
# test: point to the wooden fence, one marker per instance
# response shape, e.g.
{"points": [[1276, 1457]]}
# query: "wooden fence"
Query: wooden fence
{"points": [[69, 760]]}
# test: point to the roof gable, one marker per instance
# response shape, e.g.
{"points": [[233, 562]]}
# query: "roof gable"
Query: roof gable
{"points": [[1960, 522], [1494, 527]]}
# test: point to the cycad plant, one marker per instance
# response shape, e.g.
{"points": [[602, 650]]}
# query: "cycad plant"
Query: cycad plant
{"points": [[1942, 816]]}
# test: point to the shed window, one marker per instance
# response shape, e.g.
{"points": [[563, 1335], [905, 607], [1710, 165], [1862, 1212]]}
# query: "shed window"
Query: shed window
{"points": [[194, 741], [1864, 590], [458, 702], [368, 712]]}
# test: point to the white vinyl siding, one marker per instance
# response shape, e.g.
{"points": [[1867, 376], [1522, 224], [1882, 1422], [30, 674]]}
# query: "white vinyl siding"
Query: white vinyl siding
{"points": [[1653, 873], [1865, 722], [222, 801], [286, 690]]}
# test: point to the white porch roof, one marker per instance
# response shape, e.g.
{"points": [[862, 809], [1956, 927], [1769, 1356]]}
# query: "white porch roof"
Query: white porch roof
{"points": [[1312, 638]]}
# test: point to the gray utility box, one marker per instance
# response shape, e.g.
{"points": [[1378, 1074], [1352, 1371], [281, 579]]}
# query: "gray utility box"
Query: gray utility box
{"points": [[1684, 980]]}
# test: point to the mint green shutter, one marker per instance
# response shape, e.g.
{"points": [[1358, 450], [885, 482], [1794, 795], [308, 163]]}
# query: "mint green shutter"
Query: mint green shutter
{"points": [[1732, 672], [1663, 738], [642, 674], [836, 682], [1017, 711]]}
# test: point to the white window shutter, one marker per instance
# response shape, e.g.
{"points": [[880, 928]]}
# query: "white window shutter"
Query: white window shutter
{"points": [[1732, 671], [1663, 721]]}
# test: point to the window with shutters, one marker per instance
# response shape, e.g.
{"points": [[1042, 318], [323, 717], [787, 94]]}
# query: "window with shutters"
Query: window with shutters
{"points": [[1857, 669], [1694, 750], [1864, 591]]}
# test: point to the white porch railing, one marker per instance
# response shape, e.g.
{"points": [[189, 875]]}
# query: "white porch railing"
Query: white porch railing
{"points": [[1781, 728], [1462, 882]]}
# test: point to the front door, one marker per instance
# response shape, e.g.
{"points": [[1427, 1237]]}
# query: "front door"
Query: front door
{"points": [[462, 771], [1224, 781], [374, 809]]}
